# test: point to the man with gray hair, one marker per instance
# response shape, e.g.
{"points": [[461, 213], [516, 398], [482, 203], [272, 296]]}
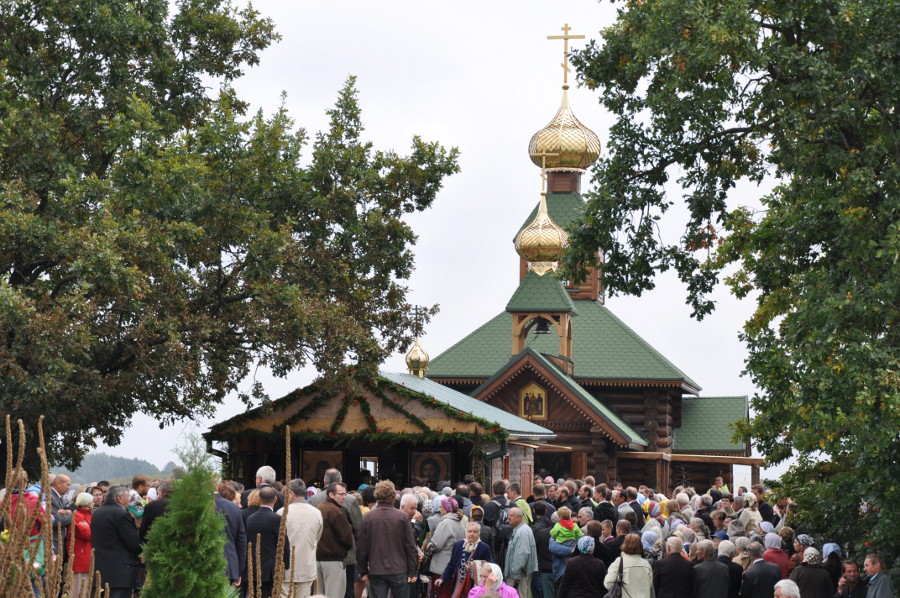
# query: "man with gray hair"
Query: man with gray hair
{"points": [[735, 571], [787, 589], [521, 554], [711, 578], [116, 544], [673, 575], [354, 516], [761, 577], [265, 477]]}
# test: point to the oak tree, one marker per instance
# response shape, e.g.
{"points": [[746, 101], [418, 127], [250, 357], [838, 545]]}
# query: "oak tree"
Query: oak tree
{"points": [[803, 95], [158, 240]]}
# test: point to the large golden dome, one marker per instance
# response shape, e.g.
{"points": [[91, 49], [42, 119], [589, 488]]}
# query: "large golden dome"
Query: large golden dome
{"points": [[542, 242], [574, 145]]}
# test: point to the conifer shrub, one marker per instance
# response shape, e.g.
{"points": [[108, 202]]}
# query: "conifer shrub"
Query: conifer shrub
{"points": [[185, 547]]}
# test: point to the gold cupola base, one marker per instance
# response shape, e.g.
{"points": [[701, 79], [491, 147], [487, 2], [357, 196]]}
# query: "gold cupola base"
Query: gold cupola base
{"points": [[417, 360]]}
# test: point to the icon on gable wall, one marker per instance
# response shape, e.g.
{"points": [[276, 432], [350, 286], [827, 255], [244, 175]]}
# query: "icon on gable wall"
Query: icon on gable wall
{"points": [[533, 403]]}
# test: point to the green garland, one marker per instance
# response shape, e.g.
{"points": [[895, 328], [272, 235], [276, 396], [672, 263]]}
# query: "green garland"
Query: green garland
{"points": [[341, 439], [378, 386]]}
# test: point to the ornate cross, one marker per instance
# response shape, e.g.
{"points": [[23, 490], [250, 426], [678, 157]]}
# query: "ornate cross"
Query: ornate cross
{"points": [[565, 63], [543, 156]]}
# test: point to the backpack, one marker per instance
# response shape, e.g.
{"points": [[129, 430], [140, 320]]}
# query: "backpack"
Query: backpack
{"points": [[502, 531]]}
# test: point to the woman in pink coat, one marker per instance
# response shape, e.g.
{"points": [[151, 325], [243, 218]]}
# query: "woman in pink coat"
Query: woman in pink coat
{"points": [[491, 579]]}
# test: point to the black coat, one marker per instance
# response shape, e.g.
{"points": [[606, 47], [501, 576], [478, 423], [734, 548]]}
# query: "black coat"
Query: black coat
{"points": [[541, 531], [673, 577], [265, 523], [235, 537], [638, 513], [606, 511], [116, 545], [583, 578], [760, 580], [711, 579], [735, 576], [153, 510]]}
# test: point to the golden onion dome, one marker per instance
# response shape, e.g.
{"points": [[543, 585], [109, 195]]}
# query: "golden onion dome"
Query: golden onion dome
{"points": [[570, 144], [542, 242], [417, 360]]}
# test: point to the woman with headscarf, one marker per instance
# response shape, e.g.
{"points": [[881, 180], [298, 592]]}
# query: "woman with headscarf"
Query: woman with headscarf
{"points": [[636, 573], [490, 579], [584, 573], [774, 553], [801, 543], [742, 551], [652, 548], [459, 575], [450, 530], [81, 554], [811, 577], [750, 515], [833, 564]]}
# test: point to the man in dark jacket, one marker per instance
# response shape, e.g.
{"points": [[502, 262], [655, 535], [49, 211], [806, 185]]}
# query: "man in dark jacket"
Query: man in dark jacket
{"points": [[605, 510], [265, 477], [711, 578], [157, 508], [761, 577], [735, 571], [673, 575], [539, 492], [335, 543], [493, 507], [386, 552], [262, 530], [235, 534], [542, 584], [116, 544]]}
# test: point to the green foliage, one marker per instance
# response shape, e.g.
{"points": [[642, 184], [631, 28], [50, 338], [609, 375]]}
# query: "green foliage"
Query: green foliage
{"points": [[156, 242], [185, 547], [710, 93]]}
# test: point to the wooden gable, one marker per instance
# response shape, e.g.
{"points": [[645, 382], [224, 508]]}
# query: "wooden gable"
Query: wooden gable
{"points": [[566, 411]]}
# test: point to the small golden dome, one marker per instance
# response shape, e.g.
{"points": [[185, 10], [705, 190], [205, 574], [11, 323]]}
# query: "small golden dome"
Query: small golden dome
{"points": [[574, 145], [417, 360], [542, 242]]}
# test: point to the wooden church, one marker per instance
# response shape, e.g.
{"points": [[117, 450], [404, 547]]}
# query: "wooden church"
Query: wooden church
{"points": [[554, 384]]}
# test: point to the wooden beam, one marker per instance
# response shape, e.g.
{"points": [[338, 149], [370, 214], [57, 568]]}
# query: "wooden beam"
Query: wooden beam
{"points": [[757, 461], [646, 456]]}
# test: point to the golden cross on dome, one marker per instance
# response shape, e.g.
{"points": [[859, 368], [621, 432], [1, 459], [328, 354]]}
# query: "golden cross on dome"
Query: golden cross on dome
{"points": [[543, 156], [565, 63]]}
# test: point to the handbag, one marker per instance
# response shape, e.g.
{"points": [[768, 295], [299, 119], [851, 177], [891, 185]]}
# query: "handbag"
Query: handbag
{"points": [[616, 590]]}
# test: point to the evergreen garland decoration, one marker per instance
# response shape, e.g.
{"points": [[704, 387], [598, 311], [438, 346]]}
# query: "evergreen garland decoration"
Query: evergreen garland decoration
{"points": [[185, 550], [378, 386]]}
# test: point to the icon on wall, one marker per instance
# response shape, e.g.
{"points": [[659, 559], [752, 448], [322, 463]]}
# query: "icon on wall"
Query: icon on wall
{"points": [[429, 468], [533, 402]]}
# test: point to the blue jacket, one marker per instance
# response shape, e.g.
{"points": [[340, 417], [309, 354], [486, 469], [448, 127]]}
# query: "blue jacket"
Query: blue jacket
{"points": [[562, 552], [482, 552]]}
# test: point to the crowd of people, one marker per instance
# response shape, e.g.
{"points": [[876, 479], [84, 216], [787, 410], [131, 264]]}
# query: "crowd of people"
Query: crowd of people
{"points": [[566, 539]]}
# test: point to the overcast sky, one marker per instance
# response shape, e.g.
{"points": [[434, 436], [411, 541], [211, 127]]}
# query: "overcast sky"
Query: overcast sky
{"points": [[481, 77]]}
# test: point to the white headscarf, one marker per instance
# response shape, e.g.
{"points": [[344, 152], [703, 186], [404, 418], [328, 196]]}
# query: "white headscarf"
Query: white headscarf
{"points": [[498, 573]]}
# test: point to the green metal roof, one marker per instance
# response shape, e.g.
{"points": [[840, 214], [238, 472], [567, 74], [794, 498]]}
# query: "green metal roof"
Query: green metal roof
{"points": [[706, 424], [516, 426], [563, 208], [540, 293], [603, 347], [606, 414]]}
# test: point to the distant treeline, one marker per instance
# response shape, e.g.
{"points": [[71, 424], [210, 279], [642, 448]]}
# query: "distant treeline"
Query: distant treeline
{"points": [[100, 466]]}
